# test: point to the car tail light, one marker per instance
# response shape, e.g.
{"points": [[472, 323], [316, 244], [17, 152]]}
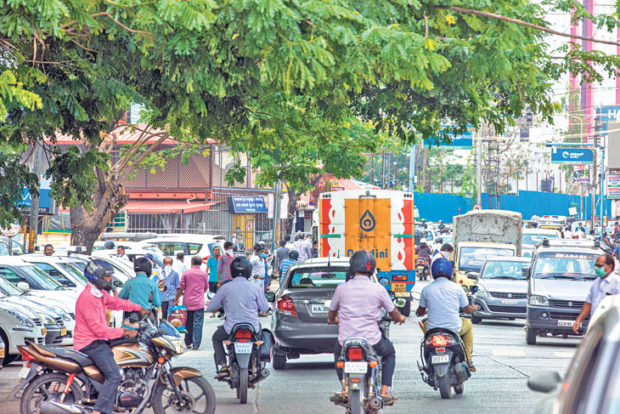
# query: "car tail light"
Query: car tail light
{"points": [[355, 354], [243, 334], [399, 277], [26, 355], [287, 306]]}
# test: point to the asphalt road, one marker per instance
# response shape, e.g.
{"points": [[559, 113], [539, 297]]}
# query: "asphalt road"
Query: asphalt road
{"points": [[503, 359]]}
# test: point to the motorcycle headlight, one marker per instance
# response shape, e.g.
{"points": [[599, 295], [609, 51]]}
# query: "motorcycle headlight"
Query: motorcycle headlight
{"points": [[179, 344], [23, 319], [538, 300]]}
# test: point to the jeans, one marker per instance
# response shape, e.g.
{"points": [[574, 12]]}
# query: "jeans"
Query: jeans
{"points": [[219, 354], [101, 354], [195, 319], [213, 287], [385, 349], [165, 306]]}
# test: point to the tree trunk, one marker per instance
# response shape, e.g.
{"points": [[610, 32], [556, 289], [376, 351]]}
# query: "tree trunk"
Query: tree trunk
{"points": [[291, 210]]}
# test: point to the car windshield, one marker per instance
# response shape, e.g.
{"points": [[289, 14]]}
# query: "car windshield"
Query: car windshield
{"points": [[535, 238], [472, 258], [316, 277], [495, 269], [74, 271], [45, 281], [8, 288], [79, 265], [565, 265]]}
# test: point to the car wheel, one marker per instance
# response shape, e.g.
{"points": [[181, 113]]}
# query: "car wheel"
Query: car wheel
{"points": [[406, 310], [530, 336], [279, 361], [7, 358], [475, 319]]}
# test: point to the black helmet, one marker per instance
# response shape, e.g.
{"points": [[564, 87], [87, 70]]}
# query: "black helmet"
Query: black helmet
{"points": [[95, 274], [293, 254], [241, 266], [143, 264], [362, 262], [108, 245]]}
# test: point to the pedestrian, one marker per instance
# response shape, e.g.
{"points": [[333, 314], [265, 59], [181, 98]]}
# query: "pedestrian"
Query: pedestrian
{"points": [[281, 255], [194, 284], [292, 260], [170, 285], [258, 265], [212, 265], [617, 251], [607, 283], [142, 290], [48, 250], [179, 264], [591, 235], [223, 265], [567, 233], [120, 252], [306, 248]]}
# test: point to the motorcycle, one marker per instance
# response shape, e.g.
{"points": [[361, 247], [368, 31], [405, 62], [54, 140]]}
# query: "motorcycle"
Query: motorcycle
{"points": [[422, 268], [60, 380], [362, 374], [248, 354]]}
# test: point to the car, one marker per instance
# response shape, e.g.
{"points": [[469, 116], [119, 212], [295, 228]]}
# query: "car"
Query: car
{"points": [[16, 246], [470, 256], [299, 320], [188, 244], [157, 259], [18, 324], [502, 289], [143, 245], [559, 278], [531, 237], [61, 269], [591, 383]]}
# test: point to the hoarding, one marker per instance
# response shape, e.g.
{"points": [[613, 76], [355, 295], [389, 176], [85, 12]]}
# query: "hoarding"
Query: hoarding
{"points": [[613, 186], [577, 156]]}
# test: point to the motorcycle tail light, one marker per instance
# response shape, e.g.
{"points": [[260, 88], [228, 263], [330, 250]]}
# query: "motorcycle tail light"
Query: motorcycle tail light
{"points": [[355, 354], [25, 355], [399, 277], [356, 380], [243, 334], [439, 341], [287, 306]]}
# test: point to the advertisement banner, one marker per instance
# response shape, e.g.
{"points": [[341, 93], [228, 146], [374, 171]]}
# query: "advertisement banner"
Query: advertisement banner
{"points": [[581, 174], [613, 186], [571, 156]]}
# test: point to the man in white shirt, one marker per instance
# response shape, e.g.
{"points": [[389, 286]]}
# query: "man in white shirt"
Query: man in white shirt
{"points": [[120, 252], [179, 264], [258, 265]]}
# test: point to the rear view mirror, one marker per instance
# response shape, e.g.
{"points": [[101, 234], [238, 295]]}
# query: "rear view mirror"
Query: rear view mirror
{"points": [[473, 290], [525, 272], [23, 286], [472, 276], [270, 296], [544, 381]]}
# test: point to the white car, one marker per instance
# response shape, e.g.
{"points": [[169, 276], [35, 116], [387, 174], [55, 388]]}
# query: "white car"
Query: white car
{"points": [[188, 244], [530, 238], [17, 325], [141, 245], [156, 258]]}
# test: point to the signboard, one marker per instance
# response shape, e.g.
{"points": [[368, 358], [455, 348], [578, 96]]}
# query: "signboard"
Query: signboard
{"points": [[461, 141], [608, 114], [613, 186], [581, 174], [46, 204], [10, 231], [571, 156], [247, 205]]}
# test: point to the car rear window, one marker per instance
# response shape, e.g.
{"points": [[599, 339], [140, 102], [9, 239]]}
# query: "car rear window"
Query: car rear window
{"points": [[316, 277]]}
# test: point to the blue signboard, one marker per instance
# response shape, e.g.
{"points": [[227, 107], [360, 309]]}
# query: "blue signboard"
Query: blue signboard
{"points": [[461, 141], [247, 205], [45, 199], [608, 114], [577, 156]]}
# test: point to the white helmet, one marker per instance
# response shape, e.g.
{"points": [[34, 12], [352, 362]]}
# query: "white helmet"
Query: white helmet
{"points": [[422, 240]]}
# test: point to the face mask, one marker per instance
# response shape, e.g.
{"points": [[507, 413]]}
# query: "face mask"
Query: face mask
{"points": [[263, 255], [168, 268], [229, 252], [600, 271], [446, 254]]}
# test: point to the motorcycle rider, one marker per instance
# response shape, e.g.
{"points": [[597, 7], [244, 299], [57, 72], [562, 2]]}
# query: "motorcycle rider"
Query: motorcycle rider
{"points": [[355, 307], [423, 251], [242, 301], [92, 334], [142, 289], [442, 300]]}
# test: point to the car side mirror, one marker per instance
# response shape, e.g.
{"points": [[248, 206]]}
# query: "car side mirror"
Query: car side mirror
{"points": [[270, 296], [23, 286], [472, 276], [544, 381], [525, 272], [473, 290]]}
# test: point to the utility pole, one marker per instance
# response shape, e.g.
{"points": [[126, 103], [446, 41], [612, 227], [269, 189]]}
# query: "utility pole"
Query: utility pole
{"points": [[594, 170], [412, 169], [276, 215], [37, 167], [598, 111], [479, 169], [372, 169], [383, 170]]}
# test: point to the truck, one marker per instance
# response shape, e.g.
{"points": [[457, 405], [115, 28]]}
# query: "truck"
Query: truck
{"points": [[480, 234], [380, 221]]}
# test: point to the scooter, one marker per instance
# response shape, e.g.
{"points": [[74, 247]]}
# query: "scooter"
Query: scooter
{"points": [[422, 268]]}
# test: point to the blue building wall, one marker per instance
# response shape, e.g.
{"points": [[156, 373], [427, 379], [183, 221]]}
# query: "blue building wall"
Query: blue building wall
{"points": [[434, 207]]}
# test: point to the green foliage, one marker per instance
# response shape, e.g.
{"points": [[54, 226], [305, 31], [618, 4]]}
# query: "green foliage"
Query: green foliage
{"points": [[14, 177]]}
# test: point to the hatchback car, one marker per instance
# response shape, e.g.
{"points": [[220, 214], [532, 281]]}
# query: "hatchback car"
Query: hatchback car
{"points": [[502, 289], [299, 322]]}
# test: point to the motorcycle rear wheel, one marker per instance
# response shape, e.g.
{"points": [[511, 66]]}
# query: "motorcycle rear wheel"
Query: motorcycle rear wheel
{"points": [[242, 391], [47, 387], [444, 387], [197, 388], [355, 402]]}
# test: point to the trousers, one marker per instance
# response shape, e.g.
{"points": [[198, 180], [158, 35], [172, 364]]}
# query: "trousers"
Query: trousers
{"points": [[101, 354], [193, 325], [385, 349]]}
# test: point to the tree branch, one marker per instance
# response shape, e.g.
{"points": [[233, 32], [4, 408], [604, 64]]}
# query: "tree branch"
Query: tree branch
{"points": [[526, 24], [131, 168]]}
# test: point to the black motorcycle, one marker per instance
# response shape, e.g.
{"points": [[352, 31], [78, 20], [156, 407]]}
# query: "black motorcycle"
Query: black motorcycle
{"points": [[248, 354]]}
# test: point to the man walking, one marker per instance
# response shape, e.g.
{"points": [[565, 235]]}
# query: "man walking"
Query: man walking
{"points": [[142, 290], [258, 266], [606, 284], [179, 264], [281, 255], [170, 285], [223, 264], [194, 284]]}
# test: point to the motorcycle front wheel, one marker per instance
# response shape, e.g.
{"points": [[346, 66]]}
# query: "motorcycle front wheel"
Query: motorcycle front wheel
{"points": [[197, 397], [45, 388]]}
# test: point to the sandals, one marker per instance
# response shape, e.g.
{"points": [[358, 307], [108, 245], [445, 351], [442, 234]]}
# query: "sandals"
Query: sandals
{"points": [[388, 399], [222, 373]]}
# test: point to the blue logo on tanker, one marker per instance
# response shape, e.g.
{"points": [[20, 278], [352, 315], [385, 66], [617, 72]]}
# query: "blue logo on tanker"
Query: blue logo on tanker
{"points": [[367, 222]]}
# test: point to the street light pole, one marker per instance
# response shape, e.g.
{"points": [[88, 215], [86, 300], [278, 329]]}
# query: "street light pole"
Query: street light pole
{"points": [[479, 169], [594, 170]]}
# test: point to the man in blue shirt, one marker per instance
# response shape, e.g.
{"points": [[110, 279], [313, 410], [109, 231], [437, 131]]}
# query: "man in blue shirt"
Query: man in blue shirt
{"points": [[242, 301], [293, 255], [170, 285], [142, 290]]}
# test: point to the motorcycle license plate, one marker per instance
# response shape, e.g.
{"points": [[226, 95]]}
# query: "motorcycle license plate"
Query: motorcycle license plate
{"points": [[63, 331], [440, 359], [23, 373], [509, 301], [565, 324], [399, 287], [355, 367], [243, 348], [319, 309]]}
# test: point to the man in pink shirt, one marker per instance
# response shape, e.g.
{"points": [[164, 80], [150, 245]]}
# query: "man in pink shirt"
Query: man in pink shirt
{"points": [[194, 284], [92, 333]]}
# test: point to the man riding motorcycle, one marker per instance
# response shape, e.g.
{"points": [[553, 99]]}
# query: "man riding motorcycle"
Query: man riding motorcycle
{"points": [[92, 333], [442, 300], [356, 308], [142, 289], [242, 301]]}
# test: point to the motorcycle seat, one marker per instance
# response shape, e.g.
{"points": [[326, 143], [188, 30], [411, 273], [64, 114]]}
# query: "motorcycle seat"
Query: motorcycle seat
{"points": [[82, 359]]}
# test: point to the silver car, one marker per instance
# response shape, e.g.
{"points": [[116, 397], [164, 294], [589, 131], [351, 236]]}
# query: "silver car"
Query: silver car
{"points": [[502, 289]]}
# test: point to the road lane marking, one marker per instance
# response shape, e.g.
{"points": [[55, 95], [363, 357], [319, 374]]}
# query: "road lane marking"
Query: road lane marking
{"points": [[508, 352], [564, 354]]}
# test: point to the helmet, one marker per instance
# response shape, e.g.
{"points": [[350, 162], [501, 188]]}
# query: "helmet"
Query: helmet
{"points": [[95, 274], [439, 240], [423, 220], [240, 266], [362, 262], [440, 221], [422, 240], [293, 254], [108, 245], [142, 264], [441, 267]]}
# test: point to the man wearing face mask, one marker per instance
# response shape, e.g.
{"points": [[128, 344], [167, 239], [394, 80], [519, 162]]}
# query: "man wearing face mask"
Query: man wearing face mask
{"points": [[258, 260], [223, 265], [170, 285], [445, 251], [607, 283]]}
